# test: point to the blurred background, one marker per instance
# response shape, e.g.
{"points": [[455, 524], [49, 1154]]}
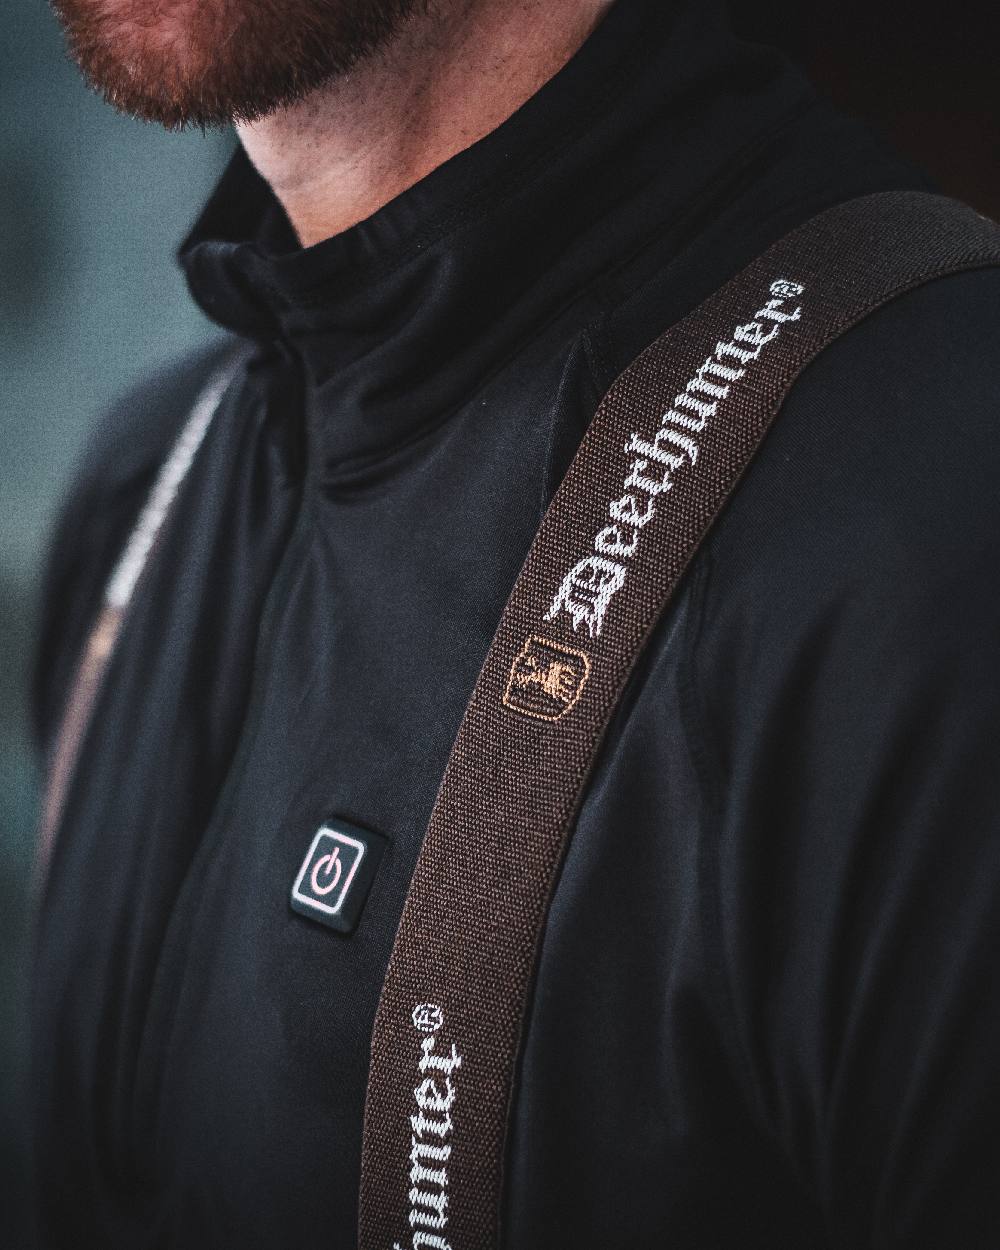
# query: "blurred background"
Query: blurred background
{"points": [[92, 207]]}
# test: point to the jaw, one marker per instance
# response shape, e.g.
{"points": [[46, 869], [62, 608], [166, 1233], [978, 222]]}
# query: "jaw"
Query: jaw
{"points": [[213, 62]]}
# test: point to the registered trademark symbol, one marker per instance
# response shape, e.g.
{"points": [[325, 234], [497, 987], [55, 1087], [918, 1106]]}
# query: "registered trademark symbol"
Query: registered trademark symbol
{"points": [[428, 1017], [784, 289]]}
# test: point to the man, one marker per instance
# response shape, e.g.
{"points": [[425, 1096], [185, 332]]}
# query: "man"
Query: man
{"points": [[765, 1012]]}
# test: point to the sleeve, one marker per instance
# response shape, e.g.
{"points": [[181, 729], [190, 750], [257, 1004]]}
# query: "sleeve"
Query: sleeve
{"points": [[849, 661]]}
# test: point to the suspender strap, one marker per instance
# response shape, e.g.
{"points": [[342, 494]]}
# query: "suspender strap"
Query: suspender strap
{"points": [[667, 446], [97, 653]]}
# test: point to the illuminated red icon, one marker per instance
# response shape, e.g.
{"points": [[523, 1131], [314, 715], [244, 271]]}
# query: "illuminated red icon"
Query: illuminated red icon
{"points": [[327, 866], [334, 879], [327, 872]]}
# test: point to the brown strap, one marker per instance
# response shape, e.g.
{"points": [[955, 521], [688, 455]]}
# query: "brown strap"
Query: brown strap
{"points": [[100, 646], [664, 452]]}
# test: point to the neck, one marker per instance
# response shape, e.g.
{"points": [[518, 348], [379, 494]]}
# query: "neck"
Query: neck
{"points": [[453, 73]]}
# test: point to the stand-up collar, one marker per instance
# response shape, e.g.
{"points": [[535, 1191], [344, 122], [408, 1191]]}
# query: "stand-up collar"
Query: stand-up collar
{"points": [[399, 317]]}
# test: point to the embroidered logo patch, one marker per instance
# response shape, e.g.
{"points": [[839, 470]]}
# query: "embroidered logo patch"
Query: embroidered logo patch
{"points": [[546, 679], [336, 874]]}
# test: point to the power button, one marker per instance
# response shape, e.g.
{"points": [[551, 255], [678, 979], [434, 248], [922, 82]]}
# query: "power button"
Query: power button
{"points": [[336, 875]]}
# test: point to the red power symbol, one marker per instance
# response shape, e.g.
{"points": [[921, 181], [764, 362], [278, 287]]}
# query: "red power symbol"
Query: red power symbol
{"points": [[335, 867]]}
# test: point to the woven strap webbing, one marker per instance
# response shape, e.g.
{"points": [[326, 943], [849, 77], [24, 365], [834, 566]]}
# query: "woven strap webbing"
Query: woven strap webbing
{"points": [[663, 453]]}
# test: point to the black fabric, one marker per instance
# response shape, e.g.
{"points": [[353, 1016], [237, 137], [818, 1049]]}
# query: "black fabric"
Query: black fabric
{"points": [[664, 452], [763, 1012]]}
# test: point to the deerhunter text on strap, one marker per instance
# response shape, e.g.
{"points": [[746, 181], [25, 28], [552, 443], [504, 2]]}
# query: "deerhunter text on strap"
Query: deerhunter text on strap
{"points": [[667, 446]]}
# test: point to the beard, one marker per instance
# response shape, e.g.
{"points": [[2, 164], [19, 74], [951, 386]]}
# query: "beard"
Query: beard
{"points": [[215, 62]]}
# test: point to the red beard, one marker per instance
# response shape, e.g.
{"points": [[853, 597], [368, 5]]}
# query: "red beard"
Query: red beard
{"points": [[214, 62]]}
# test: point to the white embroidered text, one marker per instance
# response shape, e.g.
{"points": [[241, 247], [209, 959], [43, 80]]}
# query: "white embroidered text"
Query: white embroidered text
{"points": [[653, 463], [430, 1137]]}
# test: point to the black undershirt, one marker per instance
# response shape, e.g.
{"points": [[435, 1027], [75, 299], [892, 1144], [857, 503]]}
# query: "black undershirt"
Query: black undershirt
{"points": [[766, 1012]]}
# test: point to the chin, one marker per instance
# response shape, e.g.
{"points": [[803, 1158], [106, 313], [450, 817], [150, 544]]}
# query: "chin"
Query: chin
{"points": [[215, 62]]}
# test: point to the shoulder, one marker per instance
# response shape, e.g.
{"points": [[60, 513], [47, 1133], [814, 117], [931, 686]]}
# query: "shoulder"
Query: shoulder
{"points": [[848, 666], [130, 441], [857, 561], [886, 452], [108, 487]]}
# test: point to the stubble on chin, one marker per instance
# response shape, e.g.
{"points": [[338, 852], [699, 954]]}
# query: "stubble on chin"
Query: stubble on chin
{"points": [[210, 63]]}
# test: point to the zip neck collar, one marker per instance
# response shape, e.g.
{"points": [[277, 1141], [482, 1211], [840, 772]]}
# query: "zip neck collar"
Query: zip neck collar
{"points": [[400, 317]]}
